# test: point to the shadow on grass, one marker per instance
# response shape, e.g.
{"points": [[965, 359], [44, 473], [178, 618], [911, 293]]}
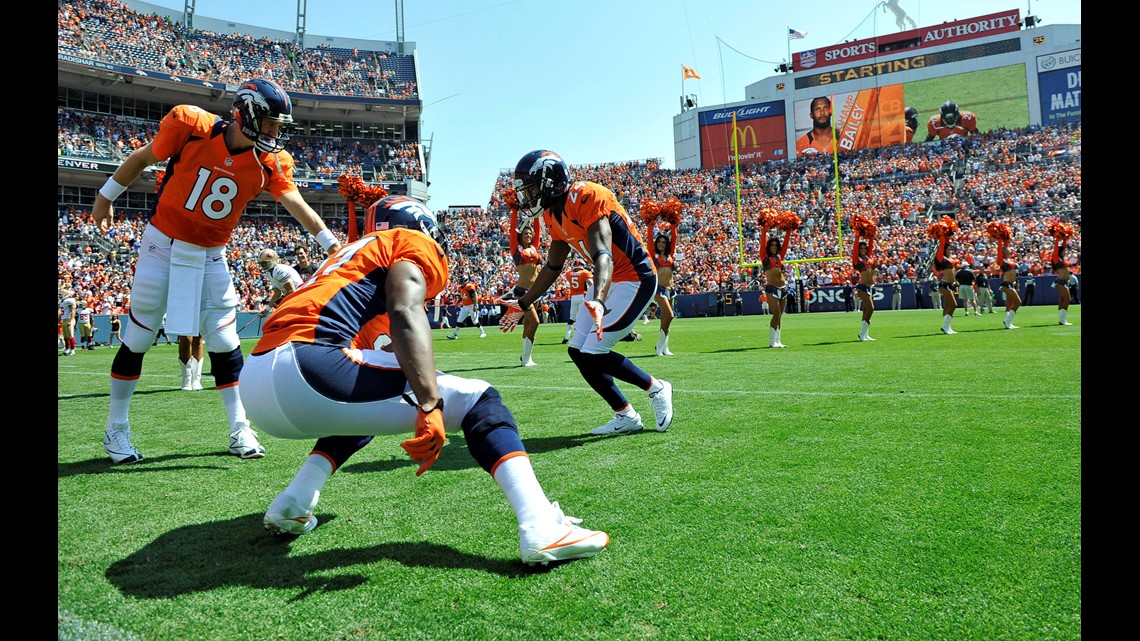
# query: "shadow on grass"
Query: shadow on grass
{"points": [[103, 464], [240, 552], [455, 455], [107, 394]]}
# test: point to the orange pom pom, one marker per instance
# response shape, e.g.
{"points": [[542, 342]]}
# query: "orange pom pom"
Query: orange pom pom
{"points": [[671, 211], [1059, 230], [353, 189], [998, 231], [159, 176], [788, 221], [863, 226], [511, 198], [767, 217], [942, 229], [649, 210]]}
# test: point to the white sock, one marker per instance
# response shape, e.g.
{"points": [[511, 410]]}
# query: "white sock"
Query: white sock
{"points": [[516, 478], [1063, 315], [310, 479], [569, 328], [234, 409], [946, 318], [866, 329], [121, 393], [1010, 316], [654, 386], [528, 345]]}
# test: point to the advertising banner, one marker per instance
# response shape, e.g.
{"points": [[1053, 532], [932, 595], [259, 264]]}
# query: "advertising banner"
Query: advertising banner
{"points": [[759, 134], [1059, 83]]}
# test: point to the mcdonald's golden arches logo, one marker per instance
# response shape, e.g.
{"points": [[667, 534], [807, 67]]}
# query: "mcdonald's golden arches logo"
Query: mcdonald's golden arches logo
{"points": [[741, 134]]}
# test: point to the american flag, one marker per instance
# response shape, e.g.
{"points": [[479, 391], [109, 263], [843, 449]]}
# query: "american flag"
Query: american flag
{"points": [[795, 34]]}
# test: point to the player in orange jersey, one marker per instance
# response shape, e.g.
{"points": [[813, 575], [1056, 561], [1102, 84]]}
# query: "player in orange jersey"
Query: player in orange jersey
{"points": [[911, 117], [587, 218], [469, 308], [951, 121], [215, 168], [580, 280], [348, 357]]}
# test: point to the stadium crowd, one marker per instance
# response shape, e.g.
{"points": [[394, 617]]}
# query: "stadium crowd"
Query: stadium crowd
{"points": [[1025, 178], [110, 31]]}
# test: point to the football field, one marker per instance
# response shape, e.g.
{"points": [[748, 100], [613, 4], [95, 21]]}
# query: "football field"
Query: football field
{"points": [[922, 486]]}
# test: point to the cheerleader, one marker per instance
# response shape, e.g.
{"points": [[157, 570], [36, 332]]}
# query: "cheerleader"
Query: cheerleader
{"points": [[862, 263], [664, 258], [772, 260], [1001, 233], [524, 241], [941, 231], [1061, 233]]}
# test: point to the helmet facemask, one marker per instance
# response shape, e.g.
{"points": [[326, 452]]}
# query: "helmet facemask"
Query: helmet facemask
{"points": [[530, 196], [540, 179], [950, 115], [257, 102]]}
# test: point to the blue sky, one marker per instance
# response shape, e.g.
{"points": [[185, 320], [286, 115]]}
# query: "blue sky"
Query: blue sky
{"points": [[595, 80]]}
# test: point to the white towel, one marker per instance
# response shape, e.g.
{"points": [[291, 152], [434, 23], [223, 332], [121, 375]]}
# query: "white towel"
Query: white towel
{"points": [[184, 298]]}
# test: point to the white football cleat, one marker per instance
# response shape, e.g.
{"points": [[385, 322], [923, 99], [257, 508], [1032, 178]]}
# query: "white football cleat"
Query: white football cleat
{"points": [[244, 443], [561, 540], [117, 443], [621, 424], [662, 401], [286, 515]]}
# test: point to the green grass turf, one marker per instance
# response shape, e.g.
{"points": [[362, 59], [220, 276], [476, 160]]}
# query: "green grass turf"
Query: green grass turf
{"points": [[922, 486]]}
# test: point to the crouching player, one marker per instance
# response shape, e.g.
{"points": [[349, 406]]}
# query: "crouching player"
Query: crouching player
{"points": [[349, 356]]}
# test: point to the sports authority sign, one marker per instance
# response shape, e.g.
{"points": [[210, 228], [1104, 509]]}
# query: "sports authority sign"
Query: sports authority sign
{"points": [[945, 33]]}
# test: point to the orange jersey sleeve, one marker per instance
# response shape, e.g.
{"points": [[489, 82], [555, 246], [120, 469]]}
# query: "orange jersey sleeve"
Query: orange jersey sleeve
{"points": [[343, 303], [588, 202], [206, 188]]}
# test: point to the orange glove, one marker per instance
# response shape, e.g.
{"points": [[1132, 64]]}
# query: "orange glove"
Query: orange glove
{"points": [[430, 437], [511, 317], [597, 311]]}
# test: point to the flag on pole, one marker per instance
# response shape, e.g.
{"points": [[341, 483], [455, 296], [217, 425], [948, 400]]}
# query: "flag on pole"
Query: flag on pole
{"points": [[795, 34], [688, 72]]}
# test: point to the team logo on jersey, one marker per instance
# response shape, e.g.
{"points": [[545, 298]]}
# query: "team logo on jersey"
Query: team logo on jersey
{"points": [[229, 161]]}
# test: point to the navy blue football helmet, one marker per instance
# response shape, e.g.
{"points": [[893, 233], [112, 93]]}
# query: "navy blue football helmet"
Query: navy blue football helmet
{"points": [[950, 115], [541, 177], [403, 211], [256, 99], [911, 116]]}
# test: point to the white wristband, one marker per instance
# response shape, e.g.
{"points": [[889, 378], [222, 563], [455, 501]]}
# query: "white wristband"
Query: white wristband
{"points": [[325, 239], [111, 189]]}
